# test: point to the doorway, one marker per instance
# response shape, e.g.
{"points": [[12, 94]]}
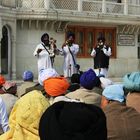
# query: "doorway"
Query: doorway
{"points": [[86, 38], [5, 53]]}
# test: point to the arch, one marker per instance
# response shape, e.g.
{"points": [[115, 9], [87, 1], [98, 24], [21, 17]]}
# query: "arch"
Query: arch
{"points": [[5, 55]]}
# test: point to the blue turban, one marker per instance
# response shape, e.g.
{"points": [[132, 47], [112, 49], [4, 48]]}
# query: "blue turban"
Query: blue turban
{"points": [[114, 92], [131, 81], [27, 76], [89, 79]]}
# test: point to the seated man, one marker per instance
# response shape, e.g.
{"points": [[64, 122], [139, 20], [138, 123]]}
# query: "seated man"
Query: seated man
{"points": [[90, 91], [25, 116], [3, 117], [28, 78], [73, 121], [131, 83], [123, 123]]}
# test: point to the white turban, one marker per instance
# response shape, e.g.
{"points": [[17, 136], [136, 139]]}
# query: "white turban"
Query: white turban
{"points": [[105, 82], [44, 74]]}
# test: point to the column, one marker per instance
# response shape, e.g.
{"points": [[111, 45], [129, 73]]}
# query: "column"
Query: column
{"points": [[13, 72], [80, 5], [47, 4], [13, 49], [104, 6], [126, 7]]}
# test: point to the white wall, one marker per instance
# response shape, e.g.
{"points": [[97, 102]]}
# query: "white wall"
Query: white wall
{"points": [[27, 39]]}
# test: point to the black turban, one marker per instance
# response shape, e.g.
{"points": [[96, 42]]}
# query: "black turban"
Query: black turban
{"points": [[70, 34], [75, 78], [101, 38], [73, 121], [42, 37]]}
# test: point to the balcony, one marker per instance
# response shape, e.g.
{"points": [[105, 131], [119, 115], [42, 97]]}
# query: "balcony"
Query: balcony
{"points": [[74, 10]]}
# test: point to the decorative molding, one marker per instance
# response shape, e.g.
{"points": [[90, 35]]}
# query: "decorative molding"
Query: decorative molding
{"points": [[128, 29]]}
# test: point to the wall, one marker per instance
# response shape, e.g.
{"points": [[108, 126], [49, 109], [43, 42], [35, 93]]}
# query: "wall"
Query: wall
{"points": [[27, 39]]}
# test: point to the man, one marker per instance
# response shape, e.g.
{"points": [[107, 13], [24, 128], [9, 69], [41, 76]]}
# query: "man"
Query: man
{"points": [[28, 78], [123, 123], [73, 121], [131, 83], [69, 50], [42, 53], [3, 117], [101, 54], [90, 91], [25, 116]]}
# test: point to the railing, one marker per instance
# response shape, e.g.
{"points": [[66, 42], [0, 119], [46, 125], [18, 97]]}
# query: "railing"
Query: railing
{"points": [[8, 3], [33, 4], [134, 9], [90, 6]]}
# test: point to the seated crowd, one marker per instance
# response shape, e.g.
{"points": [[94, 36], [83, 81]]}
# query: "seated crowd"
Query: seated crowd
{"points": [[86, 107]]}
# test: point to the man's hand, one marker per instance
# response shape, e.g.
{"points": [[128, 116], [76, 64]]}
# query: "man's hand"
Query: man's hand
{"points": [[39, 50]]}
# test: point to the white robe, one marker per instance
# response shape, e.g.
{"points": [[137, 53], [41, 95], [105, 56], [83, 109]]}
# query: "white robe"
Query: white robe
{"points": [[3, 116], [68, 66], [44, 60]]}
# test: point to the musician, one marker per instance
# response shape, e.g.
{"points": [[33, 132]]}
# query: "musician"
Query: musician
{"points": [[101, 54], [69, 48], [42, 53]]}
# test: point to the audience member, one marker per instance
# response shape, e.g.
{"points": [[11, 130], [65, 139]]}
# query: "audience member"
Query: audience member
{"points": [[28, 78], [2, 81], [131, 83], [74, 82], [25, 116], [45, 74], [123, 123], [73, 121], [9, 95], [9, 100], [55, 86], [3, 117], [90, 92], [10, 87]]}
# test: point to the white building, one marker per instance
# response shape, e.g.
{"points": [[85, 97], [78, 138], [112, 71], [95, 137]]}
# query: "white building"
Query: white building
{"points": [[22, 22]]}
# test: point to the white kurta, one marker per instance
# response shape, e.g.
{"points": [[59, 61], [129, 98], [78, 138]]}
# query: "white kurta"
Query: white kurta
{"points": [[68, 66], [3, 116], [44, 60]]}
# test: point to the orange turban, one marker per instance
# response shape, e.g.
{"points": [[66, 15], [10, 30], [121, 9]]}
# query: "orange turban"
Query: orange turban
{"points": [[56, 86], [2, 80]]}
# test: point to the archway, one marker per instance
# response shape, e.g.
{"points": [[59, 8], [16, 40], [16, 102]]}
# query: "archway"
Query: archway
{"points": [[6, 52]]}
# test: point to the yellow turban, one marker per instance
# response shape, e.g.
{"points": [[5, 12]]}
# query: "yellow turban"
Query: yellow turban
{"points": [[25, 116]]}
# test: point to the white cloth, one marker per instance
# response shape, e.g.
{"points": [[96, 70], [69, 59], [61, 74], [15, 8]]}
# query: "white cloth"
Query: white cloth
{"points": [[68, 66], [9, 101], [105, 82], [106, 52], [3, 116], [64, 98], [44, 60], [102, 71], [44, 74]]}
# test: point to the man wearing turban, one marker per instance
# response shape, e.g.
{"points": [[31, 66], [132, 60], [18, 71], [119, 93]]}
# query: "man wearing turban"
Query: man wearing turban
{"points": [[101, 54], [69, 51]]}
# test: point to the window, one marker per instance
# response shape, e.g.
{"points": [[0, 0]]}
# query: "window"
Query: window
{"points": [[86, 37]]}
